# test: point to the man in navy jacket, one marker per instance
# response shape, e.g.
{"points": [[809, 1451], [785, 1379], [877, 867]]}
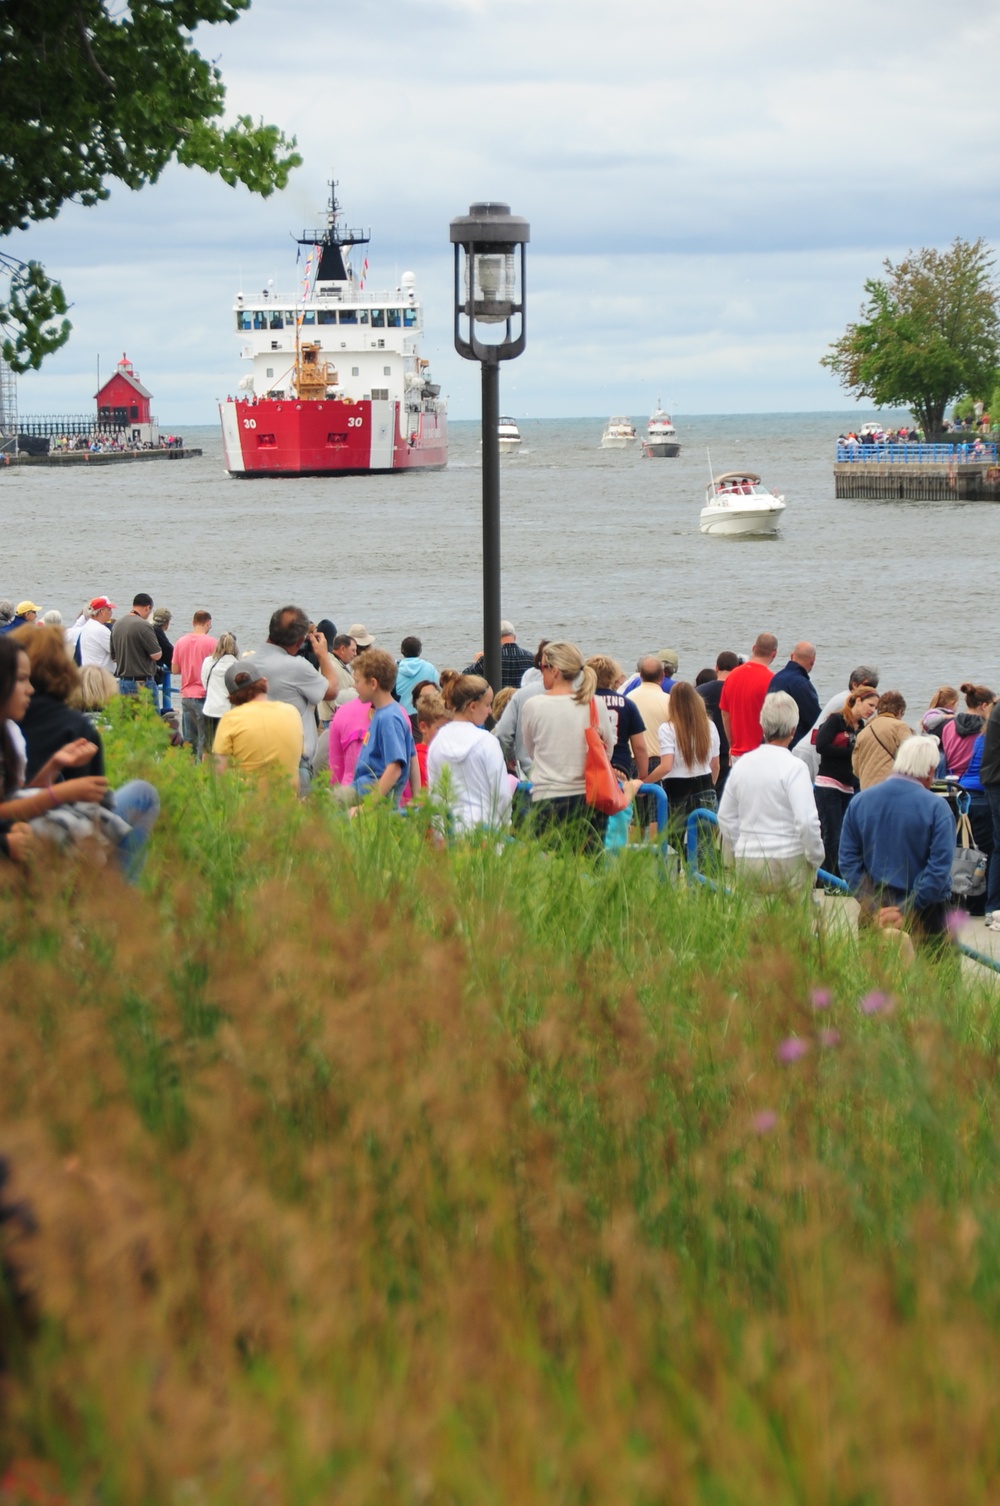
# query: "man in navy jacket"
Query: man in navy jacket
{"points": [[795, 679], [897, 844]]}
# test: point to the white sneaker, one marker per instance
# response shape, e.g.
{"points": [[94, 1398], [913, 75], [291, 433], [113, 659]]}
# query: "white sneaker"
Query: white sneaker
{"points": [[994, 924]]}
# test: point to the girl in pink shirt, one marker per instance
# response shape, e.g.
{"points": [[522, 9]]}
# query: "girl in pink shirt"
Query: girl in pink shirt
{"points": [[347, 732]]}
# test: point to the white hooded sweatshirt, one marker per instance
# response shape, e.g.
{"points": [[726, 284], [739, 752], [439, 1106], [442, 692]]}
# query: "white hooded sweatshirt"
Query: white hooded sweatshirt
{"points": [[465, 768]]}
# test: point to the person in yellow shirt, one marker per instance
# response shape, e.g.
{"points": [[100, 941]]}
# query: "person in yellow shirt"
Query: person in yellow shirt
{"points": [[257, 735]]}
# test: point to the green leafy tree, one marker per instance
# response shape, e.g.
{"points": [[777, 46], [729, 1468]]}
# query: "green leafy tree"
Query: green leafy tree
{"points": [[929, 332], [93, 92]]}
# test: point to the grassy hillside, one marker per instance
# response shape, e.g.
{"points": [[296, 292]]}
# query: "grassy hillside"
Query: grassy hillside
{"points": [[352, 1169]]}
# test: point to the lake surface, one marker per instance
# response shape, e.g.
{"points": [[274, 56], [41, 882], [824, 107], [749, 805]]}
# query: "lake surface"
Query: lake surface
{"points": [[599, 546]]}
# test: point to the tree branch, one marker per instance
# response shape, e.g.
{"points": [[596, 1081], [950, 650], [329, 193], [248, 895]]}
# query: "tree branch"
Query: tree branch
{"points": [[81, 27]]}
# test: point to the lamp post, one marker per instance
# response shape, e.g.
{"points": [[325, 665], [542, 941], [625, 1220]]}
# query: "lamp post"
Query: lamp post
{"points": [[489, 291]]}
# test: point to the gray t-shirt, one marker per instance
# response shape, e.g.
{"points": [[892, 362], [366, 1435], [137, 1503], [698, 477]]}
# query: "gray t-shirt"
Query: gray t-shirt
{"points": [[133, 639], [294, 681]]}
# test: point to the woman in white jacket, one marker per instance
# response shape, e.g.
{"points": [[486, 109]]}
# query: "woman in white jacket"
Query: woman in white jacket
{"points": [[768, 815], [213, 677], [465, 764]]}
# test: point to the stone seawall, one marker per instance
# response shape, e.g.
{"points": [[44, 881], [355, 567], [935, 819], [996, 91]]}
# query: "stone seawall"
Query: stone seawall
{"points": [[961, 482]]}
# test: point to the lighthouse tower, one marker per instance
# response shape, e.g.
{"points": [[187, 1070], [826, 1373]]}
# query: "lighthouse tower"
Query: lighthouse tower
{"points": [[123, 406]]}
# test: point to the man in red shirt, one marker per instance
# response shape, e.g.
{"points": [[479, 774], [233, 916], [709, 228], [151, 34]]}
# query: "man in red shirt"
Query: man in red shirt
{"points": [[190, 653], [743, 696]]}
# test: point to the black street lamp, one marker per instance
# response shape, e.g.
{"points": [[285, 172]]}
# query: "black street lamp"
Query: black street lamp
{"points": [[489, 290]]}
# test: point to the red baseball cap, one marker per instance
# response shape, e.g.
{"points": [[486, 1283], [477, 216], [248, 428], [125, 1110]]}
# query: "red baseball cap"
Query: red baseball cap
{"points": [[100, 602]]}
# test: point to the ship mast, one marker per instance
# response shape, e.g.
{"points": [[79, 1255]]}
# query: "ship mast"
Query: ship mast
{"points": [[332, 240]]}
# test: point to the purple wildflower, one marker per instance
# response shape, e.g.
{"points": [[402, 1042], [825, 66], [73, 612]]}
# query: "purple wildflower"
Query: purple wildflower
{"points": [[764, 1121], [874, 1003], [820, 998], [792, 1049], [829, 1037], [955, 920]]}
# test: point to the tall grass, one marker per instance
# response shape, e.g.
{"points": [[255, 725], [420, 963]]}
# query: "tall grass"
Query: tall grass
{"points": [[370, 1172]]}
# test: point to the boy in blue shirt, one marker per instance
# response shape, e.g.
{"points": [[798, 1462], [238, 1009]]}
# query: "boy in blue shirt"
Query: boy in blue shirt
{"points": [[388, 754]]}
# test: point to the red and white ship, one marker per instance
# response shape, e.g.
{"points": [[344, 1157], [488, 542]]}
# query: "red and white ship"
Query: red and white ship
{"points": [[338, 385]]}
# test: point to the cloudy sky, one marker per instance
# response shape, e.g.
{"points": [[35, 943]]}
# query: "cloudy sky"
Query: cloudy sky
{"points": [[708, 186]]}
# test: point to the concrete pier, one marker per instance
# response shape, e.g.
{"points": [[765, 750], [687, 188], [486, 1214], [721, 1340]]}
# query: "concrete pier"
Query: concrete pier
{"points": [[965, 482], [75, 459]]}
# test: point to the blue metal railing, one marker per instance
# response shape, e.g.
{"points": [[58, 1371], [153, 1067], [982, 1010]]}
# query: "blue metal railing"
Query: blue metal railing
{"points": [[659, 795], [920, 454], [704, 817]]}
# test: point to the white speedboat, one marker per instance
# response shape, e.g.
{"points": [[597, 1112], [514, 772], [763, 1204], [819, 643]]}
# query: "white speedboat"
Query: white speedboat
{"points": [[618, 435], [661, 441], [735, 502], [508, 436]]}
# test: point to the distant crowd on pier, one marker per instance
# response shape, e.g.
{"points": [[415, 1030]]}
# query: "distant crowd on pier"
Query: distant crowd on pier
{"points": [[849, 787], [114, 441]]}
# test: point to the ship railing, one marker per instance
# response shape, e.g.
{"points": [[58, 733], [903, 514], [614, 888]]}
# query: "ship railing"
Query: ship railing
{"points": [[976, 451], [340, 293]]}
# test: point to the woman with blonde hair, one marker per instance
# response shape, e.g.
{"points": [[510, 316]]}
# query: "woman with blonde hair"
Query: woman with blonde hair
{"points": [[502, 700], [98, 686], [836, 781], [944, 704], [213, 677], [465, 764], [689, 754], [553, 727]]}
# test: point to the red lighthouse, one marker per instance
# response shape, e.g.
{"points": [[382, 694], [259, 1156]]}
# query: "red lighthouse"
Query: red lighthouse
{"points": [[123, 405]]}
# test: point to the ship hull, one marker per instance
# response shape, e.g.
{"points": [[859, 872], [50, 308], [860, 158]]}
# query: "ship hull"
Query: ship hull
{"points": [[328, 438], [660, 449]]}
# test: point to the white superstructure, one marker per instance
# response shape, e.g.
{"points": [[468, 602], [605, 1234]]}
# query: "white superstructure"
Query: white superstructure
{"points": [[370, 340]]}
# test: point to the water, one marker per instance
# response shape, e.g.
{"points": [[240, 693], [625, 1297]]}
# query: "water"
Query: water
{"points": [[599, 546]]}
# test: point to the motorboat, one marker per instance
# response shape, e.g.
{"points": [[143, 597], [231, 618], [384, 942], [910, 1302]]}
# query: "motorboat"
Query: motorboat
{"points": [[736, 503], [661, 441], [508, 436], [618, 435]]}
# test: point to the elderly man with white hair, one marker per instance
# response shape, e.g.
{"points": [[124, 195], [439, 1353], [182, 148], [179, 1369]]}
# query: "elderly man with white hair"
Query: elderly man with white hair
{"points": [[768, 814], [897, 845]]}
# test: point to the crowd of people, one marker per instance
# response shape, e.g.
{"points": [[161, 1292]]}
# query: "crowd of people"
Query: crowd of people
{"points": [[111, 441], [848, 788]]}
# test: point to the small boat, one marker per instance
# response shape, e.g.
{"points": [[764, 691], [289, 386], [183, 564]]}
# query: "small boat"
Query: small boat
{"points": [[618, 435], [735, 503], [661, 441], [508, 436]]}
